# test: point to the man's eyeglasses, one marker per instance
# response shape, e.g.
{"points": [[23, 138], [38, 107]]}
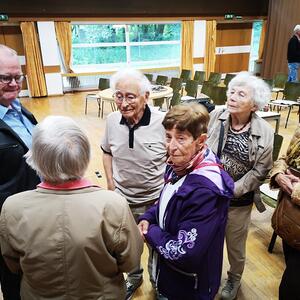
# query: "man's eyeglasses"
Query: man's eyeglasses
{"points": [[6, 79], [129, 97]]}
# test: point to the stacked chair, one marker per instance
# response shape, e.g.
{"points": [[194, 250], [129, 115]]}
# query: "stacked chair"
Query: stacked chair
{"points": [[102, 85]]}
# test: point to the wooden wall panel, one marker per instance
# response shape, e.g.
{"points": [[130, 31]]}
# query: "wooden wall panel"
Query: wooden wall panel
{"points": [[13, 38], [229, 63], [233, 34]]}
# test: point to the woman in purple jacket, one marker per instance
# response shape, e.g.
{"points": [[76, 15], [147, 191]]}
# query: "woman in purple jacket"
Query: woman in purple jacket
{"points": [[186, 227]]}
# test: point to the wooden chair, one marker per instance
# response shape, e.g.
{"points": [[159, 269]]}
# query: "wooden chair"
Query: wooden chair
{"points": [[214, 78], [191, 89], [102, 85], [199, 76], [185, 75], [176, 84], [161, 80], [175, 100], [218, 95], [149, 76], [268, 196], [291, 95], [279, 80], [228, 78]]}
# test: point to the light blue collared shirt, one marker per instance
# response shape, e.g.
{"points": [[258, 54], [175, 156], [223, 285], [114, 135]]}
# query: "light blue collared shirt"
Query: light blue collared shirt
{"points": [[18, 122]]}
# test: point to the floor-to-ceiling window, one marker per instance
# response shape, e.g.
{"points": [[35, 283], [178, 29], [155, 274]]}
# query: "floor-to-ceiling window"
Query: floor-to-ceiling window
{"points": [[107, 47]]}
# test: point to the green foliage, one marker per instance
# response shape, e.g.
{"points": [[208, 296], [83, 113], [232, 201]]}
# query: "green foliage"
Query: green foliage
{"points": [[109, 33]]}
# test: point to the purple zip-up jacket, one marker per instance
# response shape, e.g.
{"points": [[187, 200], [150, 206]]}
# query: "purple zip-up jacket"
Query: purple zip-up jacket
{"points": [[190, 247]]}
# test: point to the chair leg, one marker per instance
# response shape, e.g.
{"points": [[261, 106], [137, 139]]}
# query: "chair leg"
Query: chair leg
{"points": [[287, 118], [272, 242], [85, 111], [99, 106], [102, 108]]}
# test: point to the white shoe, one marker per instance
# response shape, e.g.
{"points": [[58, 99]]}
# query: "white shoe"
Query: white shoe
{"points": [[230, 289]]}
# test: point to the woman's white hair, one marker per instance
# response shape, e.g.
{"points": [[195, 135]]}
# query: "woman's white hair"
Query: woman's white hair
{"points": [[129, 74], [60, 150], [297, 28], [261, 93]]}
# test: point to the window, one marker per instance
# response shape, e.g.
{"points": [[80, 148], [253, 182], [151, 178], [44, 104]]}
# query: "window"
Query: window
{"points": [[105, 47], [255, 40]]}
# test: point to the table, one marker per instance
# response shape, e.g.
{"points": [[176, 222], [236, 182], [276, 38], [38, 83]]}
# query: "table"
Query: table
{"points": [[271, 116], [285, 103], [107, 95]]}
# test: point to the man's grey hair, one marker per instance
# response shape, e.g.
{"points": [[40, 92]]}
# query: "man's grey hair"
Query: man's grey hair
{"points": [[261, 93], [4, 48], [297, 28], [131, 74], [60, 150]]}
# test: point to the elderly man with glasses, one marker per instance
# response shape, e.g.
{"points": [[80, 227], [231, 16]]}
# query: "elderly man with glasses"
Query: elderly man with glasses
{"points": [[133, 149], [16, 124]]}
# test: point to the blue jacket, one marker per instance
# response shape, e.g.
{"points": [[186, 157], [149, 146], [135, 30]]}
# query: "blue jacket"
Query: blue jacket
{"points": [[190, 247]]}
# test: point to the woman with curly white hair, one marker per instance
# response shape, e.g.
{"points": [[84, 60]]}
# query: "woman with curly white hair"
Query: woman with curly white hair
{"points": [[244, 143]]}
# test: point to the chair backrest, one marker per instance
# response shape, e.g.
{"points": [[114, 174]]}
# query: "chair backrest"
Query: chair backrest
{"points": [[149, 76], [291, 91], [279, 80], [218, 95], [161, 80], [214, 78], [185, 75], [206, 88], [176, 84], [269, 82], [103, 84], [278, 139], [191, 88], [228, 78], [176, 99], [158, 102], [199, 76]]}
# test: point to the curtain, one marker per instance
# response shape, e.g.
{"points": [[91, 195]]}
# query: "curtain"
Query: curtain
{"points": [[187, 45], [210, 47], [34, 64], [64, 39], [283, 15], [262, 40]]}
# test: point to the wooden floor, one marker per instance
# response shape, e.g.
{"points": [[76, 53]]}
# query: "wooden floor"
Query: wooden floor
{"points": [[263, 270]]}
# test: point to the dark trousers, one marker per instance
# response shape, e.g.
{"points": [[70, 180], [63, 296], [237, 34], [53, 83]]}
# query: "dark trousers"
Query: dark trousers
{"points": [[10, 282], [289, 288]]}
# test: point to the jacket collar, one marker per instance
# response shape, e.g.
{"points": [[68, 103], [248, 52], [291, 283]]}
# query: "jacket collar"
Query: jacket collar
{"points": [[70, 185], [144, 121], [255, 124]]}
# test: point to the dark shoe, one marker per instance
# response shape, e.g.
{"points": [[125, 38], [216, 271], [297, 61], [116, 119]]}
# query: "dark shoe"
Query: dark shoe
{"points": [[132, 287], [230, 289]]}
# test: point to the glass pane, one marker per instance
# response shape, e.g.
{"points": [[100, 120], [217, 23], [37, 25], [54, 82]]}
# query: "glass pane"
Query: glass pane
{"points": [[98, 55], [97, 33], [256, 33], [155, 52], [154, 32]]}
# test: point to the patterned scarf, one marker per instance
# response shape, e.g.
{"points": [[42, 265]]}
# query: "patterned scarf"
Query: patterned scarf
{"points": [[293, 157], [189, 166]]}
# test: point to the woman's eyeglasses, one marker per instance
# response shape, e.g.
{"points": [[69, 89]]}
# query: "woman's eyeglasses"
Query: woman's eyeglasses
{"points": [[6, 79], [129, 97]]}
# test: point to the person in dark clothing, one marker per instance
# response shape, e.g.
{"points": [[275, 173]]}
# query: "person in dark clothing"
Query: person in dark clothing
{"points": [[16, 124], [293, 54]]}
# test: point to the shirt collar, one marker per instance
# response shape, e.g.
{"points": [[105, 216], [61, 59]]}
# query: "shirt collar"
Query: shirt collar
{"points": [[144, 121], [71, 185], [15, 105]]}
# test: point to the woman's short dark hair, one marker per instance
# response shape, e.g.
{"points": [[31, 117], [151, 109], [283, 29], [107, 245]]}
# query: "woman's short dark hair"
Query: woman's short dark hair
{"points": [[191, 117]]}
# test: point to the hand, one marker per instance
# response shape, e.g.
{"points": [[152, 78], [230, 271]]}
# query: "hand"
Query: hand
{"points": [[143, 227], [286, 181], [111, 185]]}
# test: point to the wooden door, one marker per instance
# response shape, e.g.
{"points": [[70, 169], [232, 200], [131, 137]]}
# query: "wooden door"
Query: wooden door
{"points": [[233, 46]]}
